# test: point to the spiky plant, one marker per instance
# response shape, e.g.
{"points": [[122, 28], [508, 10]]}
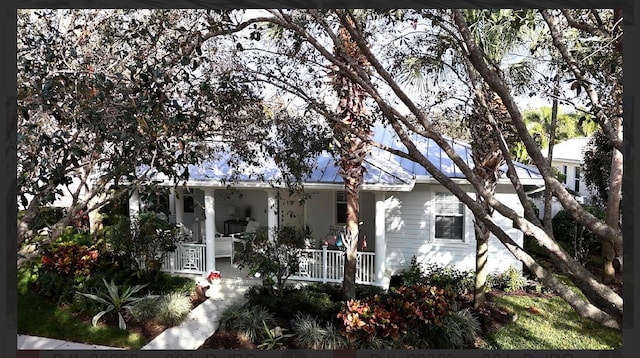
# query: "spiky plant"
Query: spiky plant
{"points": [[247, 321], [311, 334], [147, 308], [173, 308], [115, 300]]}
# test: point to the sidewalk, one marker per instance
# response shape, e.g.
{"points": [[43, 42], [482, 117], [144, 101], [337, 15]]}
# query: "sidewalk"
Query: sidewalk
{"points": [[42, 343]]}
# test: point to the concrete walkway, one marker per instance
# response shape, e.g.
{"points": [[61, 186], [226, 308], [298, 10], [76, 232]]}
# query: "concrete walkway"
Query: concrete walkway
{"points": [[202, 321]]}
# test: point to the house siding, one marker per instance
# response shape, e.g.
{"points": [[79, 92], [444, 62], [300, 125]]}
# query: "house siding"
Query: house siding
{"points": [[410, 226]]}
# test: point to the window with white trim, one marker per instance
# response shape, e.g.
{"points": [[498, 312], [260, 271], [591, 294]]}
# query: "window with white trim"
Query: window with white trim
{"points": [[341, 207], [577, 179], [564, 171], [449, 217]]}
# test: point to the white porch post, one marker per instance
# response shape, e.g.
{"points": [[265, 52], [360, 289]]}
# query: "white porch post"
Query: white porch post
{"points": [[210, 229], [134, 205], [381, 243], [272, 213], [172, 202], [179, 204]]}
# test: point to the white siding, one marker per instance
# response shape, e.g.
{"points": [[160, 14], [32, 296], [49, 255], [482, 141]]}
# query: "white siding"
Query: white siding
{"points": [[410, 227]]}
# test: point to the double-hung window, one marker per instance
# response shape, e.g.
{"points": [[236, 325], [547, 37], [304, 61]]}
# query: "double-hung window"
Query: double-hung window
{"points": [[449, 217]]}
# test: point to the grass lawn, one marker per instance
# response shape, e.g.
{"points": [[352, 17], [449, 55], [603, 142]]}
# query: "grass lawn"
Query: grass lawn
{"points": [[556, 326], [39, 317]]}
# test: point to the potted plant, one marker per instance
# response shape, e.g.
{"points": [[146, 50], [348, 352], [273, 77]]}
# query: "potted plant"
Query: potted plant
{"points": [[214, 277]]}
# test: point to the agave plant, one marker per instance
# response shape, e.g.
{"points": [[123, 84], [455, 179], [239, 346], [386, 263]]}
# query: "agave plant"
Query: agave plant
{"points": [[115, 301]]}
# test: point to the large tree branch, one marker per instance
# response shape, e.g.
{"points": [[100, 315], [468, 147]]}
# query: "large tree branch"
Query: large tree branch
{"points": [[601, 115], [603, 231]]}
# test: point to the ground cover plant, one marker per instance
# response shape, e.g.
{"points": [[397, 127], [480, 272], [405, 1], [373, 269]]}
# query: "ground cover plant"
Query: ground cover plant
{"points": [[78, 288], [519, 314]]}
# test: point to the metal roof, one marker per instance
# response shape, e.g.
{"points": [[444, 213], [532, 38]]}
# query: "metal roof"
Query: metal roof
{"points": [[383, 169]]}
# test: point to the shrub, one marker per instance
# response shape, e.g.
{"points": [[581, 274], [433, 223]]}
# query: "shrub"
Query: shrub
{"points": [[318, 304], [311, 334], [260, 296], [115, 300], [459, 329], [246, 320], [173, 309], [509, 281], [449, 277], [142, 244], [274, 260], [369, 291], [403, 310], [64, 267], [414, 274], [147, 308], [575, 238]]}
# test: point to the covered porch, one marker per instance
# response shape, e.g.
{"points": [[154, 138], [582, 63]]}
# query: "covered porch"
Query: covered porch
{"points": [[211, 215], [316, 265]]}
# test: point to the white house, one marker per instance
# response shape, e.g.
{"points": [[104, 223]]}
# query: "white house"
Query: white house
{"points": [[405, 212], [567, 159]]}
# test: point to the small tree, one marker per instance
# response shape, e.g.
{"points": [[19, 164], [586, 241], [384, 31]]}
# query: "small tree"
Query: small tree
{"points": [[142, 242], [275, 261]]}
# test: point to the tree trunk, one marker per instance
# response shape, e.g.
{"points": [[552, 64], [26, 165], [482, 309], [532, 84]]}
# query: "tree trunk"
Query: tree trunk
{"points": [[482, 255], [351, 245], [609, 251], [547, 217]]}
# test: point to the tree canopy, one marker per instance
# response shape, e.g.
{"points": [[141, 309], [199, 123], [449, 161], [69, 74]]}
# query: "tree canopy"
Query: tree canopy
{"points": [[161, 75]]}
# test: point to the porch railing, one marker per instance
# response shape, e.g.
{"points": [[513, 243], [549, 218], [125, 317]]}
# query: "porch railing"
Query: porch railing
{"points": [[317, 265], [324, 265], [187, 258]]}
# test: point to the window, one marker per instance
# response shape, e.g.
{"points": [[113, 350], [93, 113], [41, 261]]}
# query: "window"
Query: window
{"points": [[449, 217], [188, 203], [564, 171], [341, 207], [577, 179]]}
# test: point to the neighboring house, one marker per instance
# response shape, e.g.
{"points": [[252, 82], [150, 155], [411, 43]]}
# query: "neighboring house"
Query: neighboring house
{"points": [[567, 159], [405, 212]]}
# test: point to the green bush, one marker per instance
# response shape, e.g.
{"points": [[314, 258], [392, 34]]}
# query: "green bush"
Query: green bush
{"points": [[575, 238], [509, 281], [246, 320], [450, 278], [318, 304], [173, 309], [459, 329], [274, 260], [311, 334], [414, 274], [147, 308], [115, 300], [142, 244]]}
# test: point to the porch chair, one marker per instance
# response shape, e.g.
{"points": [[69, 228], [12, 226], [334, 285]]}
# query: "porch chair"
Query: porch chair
{"points": [[242, 237]]}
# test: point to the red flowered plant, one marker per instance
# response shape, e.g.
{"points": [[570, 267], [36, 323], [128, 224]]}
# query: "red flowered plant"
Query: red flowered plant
{"points": [[69, 258], [214, 276], [404, 310]]}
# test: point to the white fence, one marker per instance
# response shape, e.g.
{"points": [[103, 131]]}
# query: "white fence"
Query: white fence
{"points": [[318, 265], [187, 258], [323, 265]]}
